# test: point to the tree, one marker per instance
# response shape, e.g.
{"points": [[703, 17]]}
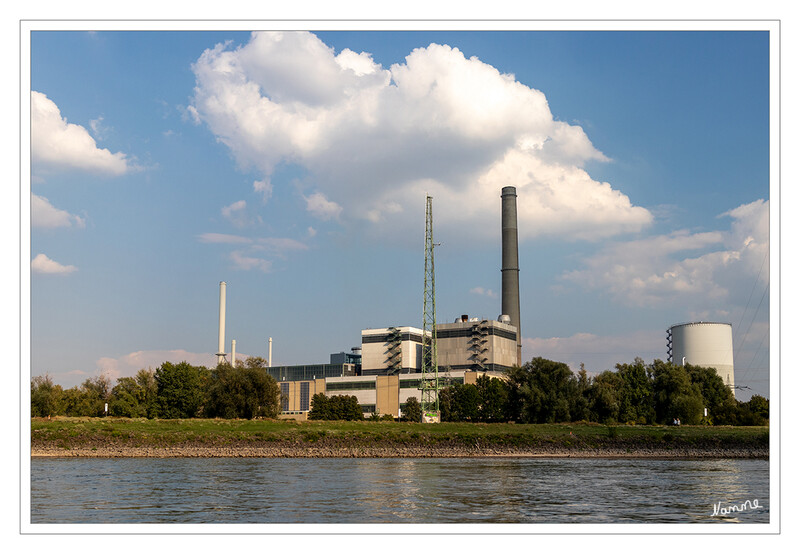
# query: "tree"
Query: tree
{"points": [[148, 389], [346, 408], [125, 399], [753, 412], [179, 390], [246, 391], [636, 396], [320, 407], [604, 397], [579, 408], [493, 399], [759, 407], [134, 396], [717, 396], [412, 410], [339, 407], [45, 397], [543, 391], [674, 394]]}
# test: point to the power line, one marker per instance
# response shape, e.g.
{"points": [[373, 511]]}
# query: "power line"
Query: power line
{"points": [[752, 290], [755, 313]]}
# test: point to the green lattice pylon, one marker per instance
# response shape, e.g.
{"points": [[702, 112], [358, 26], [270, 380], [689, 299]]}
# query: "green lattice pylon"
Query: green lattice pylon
{"points": [[429, 384]]}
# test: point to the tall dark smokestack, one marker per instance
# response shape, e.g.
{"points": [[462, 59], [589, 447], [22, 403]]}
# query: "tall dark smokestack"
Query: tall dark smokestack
{"points": [[510, 269]]}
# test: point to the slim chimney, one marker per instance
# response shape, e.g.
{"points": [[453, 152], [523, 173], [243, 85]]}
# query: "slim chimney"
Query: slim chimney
{"points": [[510, 269], [221, 344], [269, 360], [233, 353]]}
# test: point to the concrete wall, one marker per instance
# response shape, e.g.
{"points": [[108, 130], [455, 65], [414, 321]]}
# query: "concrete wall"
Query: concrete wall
{"points": [[373, 354], [295, 387], [457, 352]]}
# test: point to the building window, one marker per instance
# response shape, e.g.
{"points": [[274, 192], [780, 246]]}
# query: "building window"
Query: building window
{"points": [[358, 385], [304, 396], [284, 397]]}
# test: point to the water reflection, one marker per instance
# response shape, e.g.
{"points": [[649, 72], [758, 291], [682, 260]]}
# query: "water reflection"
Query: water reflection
{"points": [[461, 490]]}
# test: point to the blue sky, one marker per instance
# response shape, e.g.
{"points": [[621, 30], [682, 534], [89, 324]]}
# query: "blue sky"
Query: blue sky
{"points": [[294, 167]]}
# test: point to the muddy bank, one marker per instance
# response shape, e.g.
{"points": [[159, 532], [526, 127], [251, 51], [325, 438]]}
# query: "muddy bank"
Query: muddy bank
{"points": [[395, 451]]}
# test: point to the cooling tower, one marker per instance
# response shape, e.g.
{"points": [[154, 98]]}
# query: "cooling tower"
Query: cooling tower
{"points": [[510, 269], [703, 344]]}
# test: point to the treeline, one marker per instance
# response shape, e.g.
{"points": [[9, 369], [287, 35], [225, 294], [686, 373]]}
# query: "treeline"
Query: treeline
{"points": [[173, 391], [544, 391], [541, 391]]}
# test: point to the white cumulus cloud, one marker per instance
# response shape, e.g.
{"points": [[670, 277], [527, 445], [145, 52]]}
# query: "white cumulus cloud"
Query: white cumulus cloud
{"points": [[322, 208], [375, 140], [59, 145], [43, 264], [698, 267], [44, 214]]}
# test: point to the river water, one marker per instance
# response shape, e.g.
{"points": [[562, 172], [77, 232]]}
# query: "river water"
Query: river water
{"points": [[395, 490]]}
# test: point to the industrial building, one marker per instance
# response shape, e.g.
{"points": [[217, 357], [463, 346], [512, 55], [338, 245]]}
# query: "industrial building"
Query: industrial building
{"points": [[704, 344], [381, 394], [387, 368], [385, 371]]}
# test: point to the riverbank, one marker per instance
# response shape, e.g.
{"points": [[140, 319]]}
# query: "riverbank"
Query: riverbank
{"points": [[394, 452], [120, 437]]}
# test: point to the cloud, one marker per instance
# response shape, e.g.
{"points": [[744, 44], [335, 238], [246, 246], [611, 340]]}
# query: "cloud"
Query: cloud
{"points": [[43, 264], [236, 213], [264, 188], [322, 208], [244, 257], [244, 262], [480, 291], [221, 238], [598, 353], [275, 244], [657, 271], [57, 145], [44, 214], [129, 364], [376, 140]]}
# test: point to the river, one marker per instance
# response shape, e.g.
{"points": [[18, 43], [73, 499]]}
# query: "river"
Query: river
{"points": [[395, 490]]}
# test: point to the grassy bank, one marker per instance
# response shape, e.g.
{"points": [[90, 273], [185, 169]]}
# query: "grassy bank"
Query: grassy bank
{"points": [[209, 437]]}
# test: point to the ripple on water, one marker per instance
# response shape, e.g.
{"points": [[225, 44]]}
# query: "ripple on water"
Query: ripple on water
{"points": [[394, 490]]}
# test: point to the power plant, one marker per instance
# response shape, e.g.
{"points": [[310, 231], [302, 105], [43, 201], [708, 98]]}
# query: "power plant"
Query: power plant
{"points": [[395, 363]]}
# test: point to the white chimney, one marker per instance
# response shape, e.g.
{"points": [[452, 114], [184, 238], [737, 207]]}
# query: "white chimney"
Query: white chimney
{"points": [[221, 344], [269, 360], [233, 353]]}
